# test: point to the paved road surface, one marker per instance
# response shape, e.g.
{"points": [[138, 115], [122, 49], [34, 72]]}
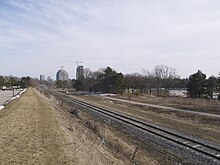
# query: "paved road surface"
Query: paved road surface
{"points": [[5, 95], [164, 107]]}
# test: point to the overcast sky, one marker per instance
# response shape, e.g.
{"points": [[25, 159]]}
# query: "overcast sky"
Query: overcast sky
{"points": [[39, 36]]}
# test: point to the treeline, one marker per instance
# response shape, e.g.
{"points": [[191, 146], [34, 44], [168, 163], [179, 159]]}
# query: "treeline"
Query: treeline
{"points": [[10, 81], [159, 81], [103, 80], [201, 86]]}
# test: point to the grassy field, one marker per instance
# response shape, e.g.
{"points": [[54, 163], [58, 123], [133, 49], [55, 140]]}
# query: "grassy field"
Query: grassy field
{"points": [[33, 131], [195, 104]]}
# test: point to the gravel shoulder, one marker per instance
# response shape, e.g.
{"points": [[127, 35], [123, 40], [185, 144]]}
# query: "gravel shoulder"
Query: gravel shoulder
{"points": [[33, 131]]}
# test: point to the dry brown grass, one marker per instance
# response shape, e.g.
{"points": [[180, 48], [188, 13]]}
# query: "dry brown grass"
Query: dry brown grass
{"points": [[104, 139], [196, 104], [121, 145], [203, 127], [32, 131]]}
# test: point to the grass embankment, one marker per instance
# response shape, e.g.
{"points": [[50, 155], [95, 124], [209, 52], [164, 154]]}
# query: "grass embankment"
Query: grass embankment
{"points": [[30, 134], [32, 131]]}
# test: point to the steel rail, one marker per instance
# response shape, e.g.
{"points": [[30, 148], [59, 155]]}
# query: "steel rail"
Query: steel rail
{"points": [[200, 147]]}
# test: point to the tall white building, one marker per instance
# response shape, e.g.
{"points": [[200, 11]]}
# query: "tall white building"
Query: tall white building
{"points": [[62, 75]]}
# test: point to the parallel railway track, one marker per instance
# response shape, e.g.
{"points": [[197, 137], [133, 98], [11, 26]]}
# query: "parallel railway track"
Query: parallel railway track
{"points": [[209, 150]]}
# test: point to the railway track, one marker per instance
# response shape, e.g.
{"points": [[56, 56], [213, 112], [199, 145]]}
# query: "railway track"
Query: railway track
{"points": [[190, 144]]}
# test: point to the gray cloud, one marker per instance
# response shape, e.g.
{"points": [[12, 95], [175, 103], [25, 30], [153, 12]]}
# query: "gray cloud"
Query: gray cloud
{"points": [[128, 35]]}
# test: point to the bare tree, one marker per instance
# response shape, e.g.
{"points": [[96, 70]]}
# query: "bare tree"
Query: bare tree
{"points": [[149, 80], [164, 77], [134, 81], [87, 73]]}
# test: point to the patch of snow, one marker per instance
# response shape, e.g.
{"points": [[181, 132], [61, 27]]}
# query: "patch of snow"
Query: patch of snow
{"points": [[107, 94], [181, 93], [2, 107], [22, 91], [17, 96]]}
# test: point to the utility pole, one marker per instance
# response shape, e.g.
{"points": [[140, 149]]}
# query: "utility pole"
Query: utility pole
{"points": [[13, 91]]}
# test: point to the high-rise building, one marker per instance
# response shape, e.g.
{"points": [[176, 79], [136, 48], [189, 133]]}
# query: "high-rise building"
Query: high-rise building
{"points": [[62, 75], [79, 72], [42, 78], [49, 80]]}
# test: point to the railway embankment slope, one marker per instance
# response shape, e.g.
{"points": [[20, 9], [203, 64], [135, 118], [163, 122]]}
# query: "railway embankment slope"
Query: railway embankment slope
{"points": [[33, 131]]}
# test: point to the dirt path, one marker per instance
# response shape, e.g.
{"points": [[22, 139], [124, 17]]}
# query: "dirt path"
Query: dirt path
{"points": [[32, 131], [164, 107]]}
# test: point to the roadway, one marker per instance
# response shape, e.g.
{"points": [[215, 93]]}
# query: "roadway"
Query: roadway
{"points": [[5, 95]]}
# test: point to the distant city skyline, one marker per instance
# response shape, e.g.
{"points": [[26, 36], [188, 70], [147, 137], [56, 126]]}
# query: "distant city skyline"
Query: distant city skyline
{"points": [[37, 37]]}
